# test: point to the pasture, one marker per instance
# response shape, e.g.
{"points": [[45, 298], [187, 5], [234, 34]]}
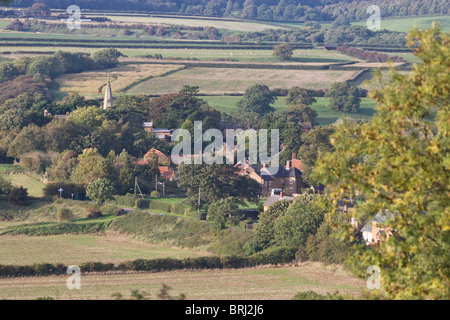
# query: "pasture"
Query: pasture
{"points": [[276, 283], [76, 249], [219, 81], [406, 24], [35, 187], [326, 116]]}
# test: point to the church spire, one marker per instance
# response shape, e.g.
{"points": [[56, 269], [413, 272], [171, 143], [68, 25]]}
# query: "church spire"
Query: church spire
{"points": [[108, 100]]}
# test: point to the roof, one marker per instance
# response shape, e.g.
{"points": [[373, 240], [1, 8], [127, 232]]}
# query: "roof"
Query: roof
{"points": [[162, 130], [367, 228], [275, 198], [271, 173]]}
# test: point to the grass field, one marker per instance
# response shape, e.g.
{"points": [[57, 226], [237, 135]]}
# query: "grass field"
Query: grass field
{"points": [[121, 78], [35, 187], [326, 116], [76, 249], [406, 24], [275, 283], [4, 167], [218, 81]]}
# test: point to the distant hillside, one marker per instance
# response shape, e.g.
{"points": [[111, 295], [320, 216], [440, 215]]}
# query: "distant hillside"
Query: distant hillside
{"points": [[284, 10]]}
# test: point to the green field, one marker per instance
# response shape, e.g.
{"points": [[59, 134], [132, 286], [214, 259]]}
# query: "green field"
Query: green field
{"points": [[406, 24], [35, 187], [274, 283], [326, 116], [76, 249]]}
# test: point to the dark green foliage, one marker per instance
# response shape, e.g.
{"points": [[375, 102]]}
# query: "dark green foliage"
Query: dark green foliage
{"points": [[302, 218], [51, 189], [258, 99], [343, 97], [160, 206], [312, 295], [275, 255], [283, 51], [142, 203], [18, 196]]}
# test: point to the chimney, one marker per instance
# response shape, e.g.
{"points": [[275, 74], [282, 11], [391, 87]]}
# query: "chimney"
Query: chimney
{"points": [[288, 164]]}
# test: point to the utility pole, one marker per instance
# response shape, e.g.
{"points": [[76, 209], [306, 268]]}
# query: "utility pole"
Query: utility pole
{"points": [[199, 193], [164, 188], [156, 182]]}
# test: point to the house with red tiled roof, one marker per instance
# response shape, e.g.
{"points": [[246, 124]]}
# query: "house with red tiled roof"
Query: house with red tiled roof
{"points": [[155, 153]]}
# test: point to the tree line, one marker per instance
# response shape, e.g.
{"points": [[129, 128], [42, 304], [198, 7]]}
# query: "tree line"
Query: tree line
{"points": [[276, 10]]}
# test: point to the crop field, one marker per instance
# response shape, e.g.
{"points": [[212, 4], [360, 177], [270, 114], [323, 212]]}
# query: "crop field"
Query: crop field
{"points": [[275, 283], [218, 81], [76, 249], [121, 78], [406, 24], [194, 22], [326, 116]]}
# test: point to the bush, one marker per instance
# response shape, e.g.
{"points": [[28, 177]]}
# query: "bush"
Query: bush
{"points": [[159, 205], [51, 189], [142, 203], [155, 194], [94, 213], [177, 208], [312, 295], [64, 214], [275, 255], [127, 200], [19, 196]]}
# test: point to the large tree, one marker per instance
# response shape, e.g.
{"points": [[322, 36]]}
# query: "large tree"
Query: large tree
{"points": [[400, 163], [208, 183], [258, 99], [343, 97]]}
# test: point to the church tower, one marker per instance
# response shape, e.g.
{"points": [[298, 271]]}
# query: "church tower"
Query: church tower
{"points": [[108, 100]]}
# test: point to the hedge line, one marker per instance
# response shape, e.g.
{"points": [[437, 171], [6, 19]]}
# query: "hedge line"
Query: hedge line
{"points": [[273, 256], [45, 229], [151, 204]]}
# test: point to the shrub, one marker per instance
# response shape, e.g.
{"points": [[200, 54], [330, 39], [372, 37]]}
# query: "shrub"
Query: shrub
{"points": [[127, 200], [18, 196], [64, 214], [94, 213], [177, 208], [159, 205], [142, 203], [155, 194], [312, 295], [275, 255]]}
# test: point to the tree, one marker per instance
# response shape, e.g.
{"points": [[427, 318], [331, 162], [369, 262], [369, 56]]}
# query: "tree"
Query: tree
{"points": [[343, 97], [91, 166], [63, 165], [399, 162], [283, 51], [300, 96], [315, 142], [302, 219], [220, 211], [100, 190], [257, 98], [107, 58], [264, 231], [214, 182]]}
